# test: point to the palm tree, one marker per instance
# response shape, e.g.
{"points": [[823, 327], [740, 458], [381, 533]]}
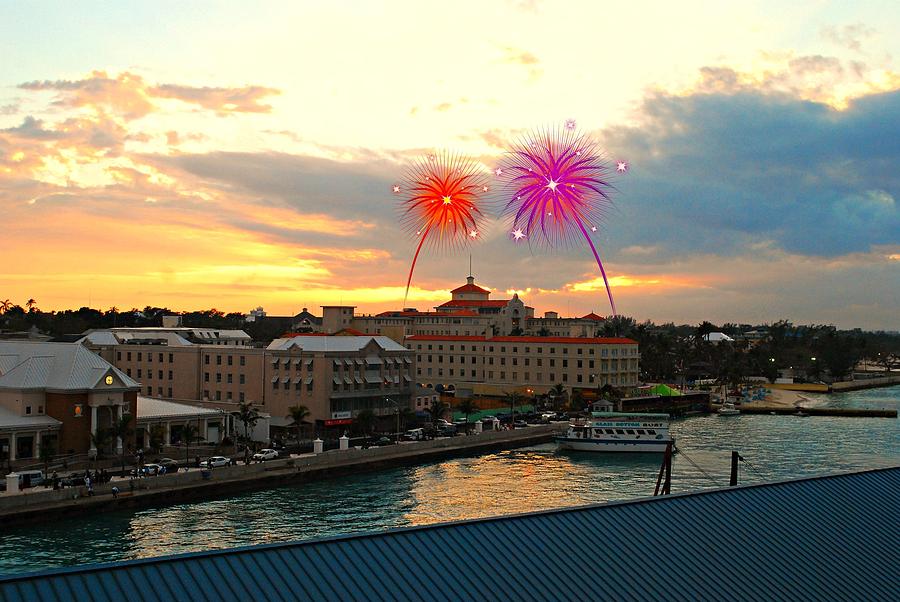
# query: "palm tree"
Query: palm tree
{"points": [[467, 406], [558, 392], [122, 430], [157, 437], [437, 410], [115, 314], [46, 455], [406, 416], [513, 398], [100, 440], [5, 305], [298, 414], [30, 305], [249, 416], [189, 433], [365, 421]]}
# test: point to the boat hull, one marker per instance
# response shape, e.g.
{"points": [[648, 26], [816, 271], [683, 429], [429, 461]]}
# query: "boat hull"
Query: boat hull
{"points": [[614, 446]]}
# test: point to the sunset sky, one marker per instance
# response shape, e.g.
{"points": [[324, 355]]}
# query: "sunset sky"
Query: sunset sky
{"points": [[236, 154]]}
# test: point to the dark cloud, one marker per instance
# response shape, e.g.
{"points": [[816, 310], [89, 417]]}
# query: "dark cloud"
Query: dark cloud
{"points": [[722, 172]]}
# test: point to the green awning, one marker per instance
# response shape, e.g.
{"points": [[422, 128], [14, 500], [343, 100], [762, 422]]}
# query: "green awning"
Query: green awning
{"points": [[664, 390]]}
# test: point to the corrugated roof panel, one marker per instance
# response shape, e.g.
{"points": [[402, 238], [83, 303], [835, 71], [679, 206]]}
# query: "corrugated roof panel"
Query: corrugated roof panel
{"points": [[825, 538]]}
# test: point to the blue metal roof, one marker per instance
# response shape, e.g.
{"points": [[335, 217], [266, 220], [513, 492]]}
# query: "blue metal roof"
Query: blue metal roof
{"points": [[834, 538]]}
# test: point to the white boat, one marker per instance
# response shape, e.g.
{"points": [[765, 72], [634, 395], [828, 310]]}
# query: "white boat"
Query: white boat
{"points": [[728, 409], [619, 432]]}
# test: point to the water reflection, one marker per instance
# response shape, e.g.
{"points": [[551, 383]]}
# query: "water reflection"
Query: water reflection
{"points": [[524, 480]]}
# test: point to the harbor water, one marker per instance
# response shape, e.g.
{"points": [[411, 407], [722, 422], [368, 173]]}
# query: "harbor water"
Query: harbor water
{"points": [[521, 480]]}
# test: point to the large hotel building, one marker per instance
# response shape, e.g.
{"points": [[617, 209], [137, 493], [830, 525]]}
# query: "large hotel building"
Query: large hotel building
{"points": [[356, 362]]}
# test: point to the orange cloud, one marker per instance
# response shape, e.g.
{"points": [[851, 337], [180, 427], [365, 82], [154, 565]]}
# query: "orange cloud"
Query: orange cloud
{"points": [[129, 96]]}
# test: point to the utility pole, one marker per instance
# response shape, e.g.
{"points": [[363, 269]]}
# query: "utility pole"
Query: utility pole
{"points": [[734, 469]]}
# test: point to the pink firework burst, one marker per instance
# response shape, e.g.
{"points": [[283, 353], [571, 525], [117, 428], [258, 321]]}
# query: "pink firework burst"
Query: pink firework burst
{"points": [[442, 202], [556, 190]]}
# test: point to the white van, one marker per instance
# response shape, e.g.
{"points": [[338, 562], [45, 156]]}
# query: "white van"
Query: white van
{"points": [[30, 478], [414, 435]]}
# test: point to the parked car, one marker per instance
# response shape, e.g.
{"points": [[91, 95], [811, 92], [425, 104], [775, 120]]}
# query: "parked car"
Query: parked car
{"points": [[446, 431], [414, 435], [170, 464], [520, 424], [265, 454], [382, 441], [217, 461], [147, 470], [441, 423]]}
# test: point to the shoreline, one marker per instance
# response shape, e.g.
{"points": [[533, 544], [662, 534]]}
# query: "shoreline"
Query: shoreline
{"points": [[178, 488]]}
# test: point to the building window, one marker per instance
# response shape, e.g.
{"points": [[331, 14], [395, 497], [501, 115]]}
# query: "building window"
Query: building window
{"points": [[170, 375], [241, 379], [527, 376], [171, 358], [552, 377], [241, 397], [552, 363], [218, 395], [128, 371], [229, 379], [129, 356], [140, 356], [170, 392], [139, 372], [578, 378], [490, 374], [218, 377], [540, 361], [160, 375], [579, 351], [243, 361], [565, 351], [149, 390], [591, 364], [218, 360], [206, 377], [565, 363], [27, 410], [149, 357], [565, 377], [553, 350], [118, 356], [503, 376], [230, 360], [206, 359]]}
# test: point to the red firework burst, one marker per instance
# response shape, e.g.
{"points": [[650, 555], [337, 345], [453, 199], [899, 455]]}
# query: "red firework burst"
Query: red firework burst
{"points": [[442, 195]]}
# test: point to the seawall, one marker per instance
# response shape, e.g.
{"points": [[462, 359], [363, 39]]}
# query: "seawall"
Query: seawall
{"points": [[39, 505]]}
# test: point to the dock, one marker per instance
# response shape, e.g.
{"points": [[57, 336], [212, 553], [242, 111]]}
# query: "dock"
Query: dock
{"points": [[40, 505], [844, 412]]}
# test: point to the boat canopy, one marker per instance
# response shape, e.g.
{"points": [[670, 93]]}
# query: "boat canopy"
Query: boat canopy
{"points": [[629, 415], [664, 391]]}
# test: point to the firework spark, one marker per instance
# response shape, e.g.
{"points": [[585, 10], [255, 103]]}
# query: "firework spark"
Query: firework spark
{"points": [[556, 188], [442, 203]]}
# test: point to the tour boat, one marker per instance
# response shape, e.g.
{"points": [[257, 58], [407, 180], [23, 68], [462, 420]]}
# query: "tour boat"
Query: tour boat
{"points": [[728, 409], [619, 432]]}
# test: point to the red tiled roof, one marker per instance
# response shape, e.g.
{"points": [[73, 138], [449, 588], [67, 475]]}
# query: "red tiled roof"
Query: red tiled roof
{"points": [[572, 340], [412, 314], [475, 303], [593, 316], [469, 288]]}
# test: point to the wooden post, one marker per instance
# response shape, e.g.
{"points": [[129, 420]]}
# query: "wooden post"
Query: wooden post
{"points": [[667, 486], [734, 469]]}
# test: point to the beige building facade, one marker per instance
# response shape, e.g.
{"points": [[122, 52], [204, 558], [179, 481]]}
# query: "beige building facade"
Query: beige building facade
{"points": [[535, 363]]}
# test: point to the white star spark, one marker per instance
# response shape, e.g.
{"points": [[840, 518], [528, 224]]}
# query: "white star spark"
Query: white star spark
{"points": [[552, 184], [621, 166], [485, 188], [396, 188], [570, 124], [446, 200], [498, 171], [593, 228], [473, 234], [518, 234]]}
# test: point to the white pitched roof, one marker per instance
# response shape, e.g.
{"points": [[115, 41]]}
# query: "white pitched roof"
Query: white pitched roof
{"points": [[149, 408], [10, 420], [340, 344], [54, 366]]}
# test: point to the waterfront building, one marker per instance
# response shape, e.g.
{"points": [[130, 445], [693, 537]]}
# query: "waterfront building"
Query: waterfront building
{"points": [[58, 394], [297, 370], [336, 377], [492, 365], [469, 312], [170, 418], [823, 538]]}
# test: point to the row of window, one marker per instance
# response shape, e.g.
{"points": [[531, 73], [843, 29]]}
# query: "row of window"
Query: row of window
{"points": [[218, 395], [140, 356], [149, 373], [539, 376], [229, 378], [527, 361], [604, 352], [242, 360]]}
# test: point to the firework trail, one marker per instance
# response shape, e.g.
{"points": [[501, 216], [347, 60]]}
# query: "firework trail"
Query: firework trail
{"points": [[556, 190], [441, 198]]}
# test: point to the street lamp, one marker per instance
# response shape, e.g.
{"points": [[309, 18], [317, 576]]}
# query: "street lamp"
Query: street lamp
{"points": [[396, 405]]}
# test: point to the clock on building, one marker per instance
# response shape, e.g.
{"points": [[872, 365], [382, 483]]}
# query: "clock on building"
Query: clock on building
{"points": [[109, 380]]}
